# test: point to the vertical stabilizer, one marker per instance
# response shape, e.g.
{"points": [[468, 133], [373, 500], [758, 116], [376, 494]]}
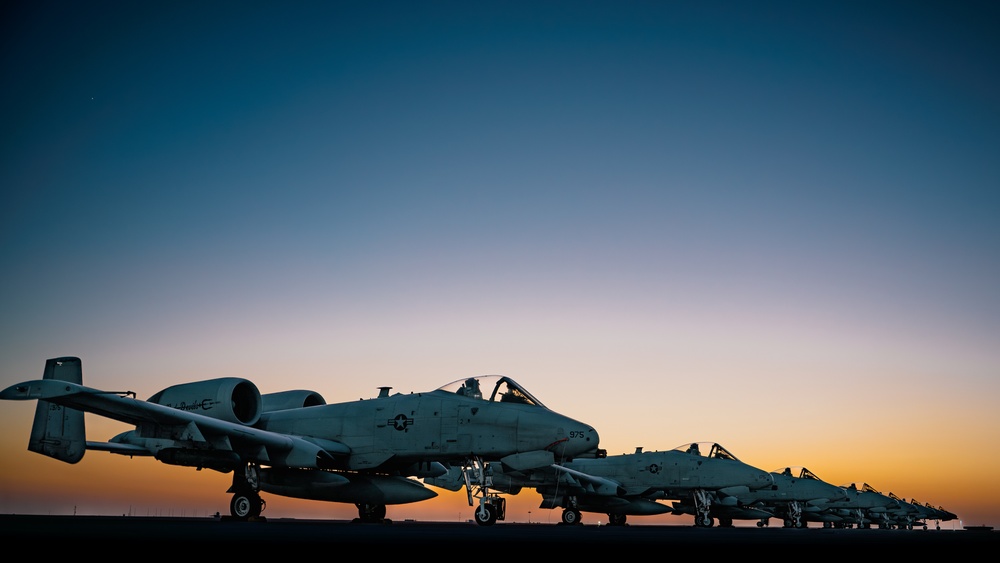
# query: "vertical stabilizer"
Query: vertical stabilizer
{"points": [[58, 431]]}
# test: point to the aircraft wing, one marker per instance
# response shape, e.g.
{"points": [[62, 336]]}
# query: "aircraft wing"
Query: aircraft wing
{"points": [[260, 445], [552, 475]]}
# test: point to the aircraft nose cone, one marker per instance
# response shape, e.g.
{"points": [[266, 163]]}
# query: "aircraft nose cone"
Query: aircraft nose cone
{"points": [[584, 441]]}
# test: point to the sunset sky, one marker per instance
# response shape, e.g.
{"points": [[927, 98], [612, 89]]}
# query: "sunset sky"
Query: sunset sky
{"points": [[774, 225]]}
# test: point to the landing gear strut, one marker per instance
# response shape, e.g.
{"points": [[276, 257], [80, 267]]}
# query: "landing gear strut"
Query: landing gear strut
{"points": [[246, 503], [794, 517], [478, 480], [702, 509]]}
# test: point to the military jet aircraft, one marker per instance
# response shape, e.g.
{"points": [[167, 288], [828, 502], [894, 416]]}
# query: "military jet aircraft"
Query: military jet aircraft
{"points": [[922, 513], [935, 513], [867, 506], [859, 508], [294, 444], [796, 491], [626, 484], [906, 515]]}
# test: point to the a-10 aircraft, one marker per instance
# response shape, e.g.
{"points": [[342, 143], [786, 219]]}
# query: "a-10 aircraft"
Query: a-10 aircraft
{"points": [[293, 444], [863, 507], [935, 513], [867, 506], [626, 484], [796, 493]]}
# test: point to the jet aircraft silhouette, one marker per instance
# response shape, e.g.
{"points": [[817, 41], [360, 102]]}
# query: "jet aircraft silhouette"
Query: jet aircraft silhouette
{"points": [[294, 444]]}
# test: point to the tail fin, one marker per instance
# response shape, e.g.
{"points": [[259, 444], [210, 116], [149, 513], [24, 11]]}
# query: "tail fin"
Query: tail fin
{"points": [[58, 431]]}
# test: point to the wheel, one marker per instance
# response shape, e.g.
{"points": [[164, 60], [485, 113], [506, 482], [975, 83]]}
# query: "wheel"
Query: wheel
{"points": [[725, 522], [371, 512], [704, 521], [616, 519], [571, 516], [486, 515], [245, 505]]}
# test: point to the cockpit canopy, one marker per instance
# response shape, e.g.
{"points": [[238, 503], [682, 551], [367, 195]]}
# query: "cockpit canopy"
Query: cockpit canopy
{"points": [[796, 471], [495, 388], [714, 450], [865, 488]]}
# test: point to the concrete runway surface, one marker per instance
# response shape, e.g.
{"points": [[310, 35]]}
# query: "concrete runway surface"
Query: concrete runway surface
{"points": [[174, 536]]}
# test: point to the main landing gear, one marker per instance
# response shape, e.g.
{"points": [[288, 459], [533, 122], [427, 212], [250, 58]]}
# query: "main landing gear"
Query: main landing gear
{"points": [[370, 513], [617, 519], [246, 503], [571, 516]]}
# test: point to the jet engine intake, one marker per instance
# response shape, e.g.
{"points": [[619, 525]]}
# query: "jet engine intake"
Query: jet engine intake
{"points": [[229, 398], [295, 399]]}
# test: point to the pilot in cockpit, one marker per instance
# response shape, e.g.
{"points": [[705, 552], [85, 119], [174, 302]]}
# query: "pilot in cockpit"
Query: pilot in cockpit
{"points": [[471, 389], [693, 449]]}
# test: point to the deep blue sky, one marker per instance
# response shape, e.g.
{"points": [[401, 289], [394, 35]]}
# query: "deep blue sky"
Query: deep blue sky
{"points": [[783, 207]]}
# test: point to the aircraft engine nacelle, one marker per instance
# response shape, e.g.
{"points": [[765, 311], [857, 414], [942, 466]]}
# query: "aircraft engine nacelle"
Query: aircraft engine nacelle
{"points": [[296, 399], [229, 398]]}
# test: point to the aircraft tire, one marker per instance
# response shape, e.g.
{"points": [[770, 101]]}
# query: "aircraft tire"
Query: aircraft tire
{"points": [[486, 515], [371, 512], [617, 519], [571, 516], [245, 506]]}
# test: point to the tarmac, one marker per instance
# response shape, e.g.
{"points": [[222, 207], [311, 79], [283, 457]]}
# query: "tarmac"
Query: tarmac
{"points": [[187, 537]]}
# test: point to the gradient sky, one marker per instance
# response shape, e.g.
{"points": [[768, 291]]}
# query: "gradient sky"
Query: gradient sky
{"points": [[769, 224]]}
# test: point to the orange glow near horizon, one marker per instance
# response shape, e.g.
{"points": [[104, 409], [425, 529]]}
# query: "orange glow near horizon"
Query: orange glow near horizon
{"points": [[911, 465]]}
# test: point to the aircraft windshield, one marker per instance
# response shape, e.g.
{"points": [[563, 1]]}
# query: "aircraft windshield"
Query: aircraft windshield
{"points": [[496, 388], [700, 448]]}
